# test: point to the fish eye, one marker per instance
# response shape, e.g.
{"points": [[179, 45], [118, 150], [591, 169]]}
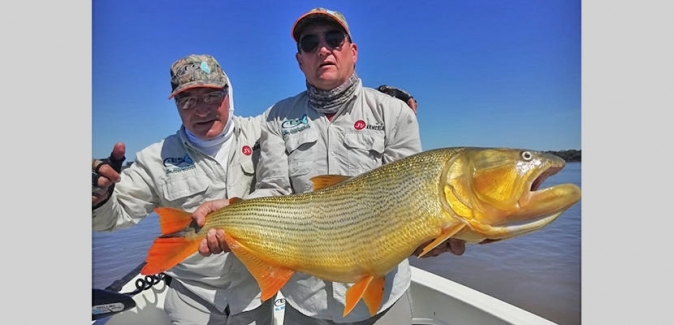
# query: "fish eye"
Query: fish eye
{"points": [[526, 155]]}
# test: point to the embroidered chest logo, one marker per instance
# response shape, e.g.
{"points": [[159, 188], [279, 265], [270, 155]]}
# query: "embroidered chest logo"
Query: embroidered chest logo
{"points": [[360, 124], [247, 150], [178, 164], [295, 125]]}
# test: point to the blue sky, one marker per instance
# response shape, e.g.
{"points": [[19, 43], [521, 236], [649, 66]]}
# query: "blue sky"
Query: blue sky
{"points": [[485, 73]]}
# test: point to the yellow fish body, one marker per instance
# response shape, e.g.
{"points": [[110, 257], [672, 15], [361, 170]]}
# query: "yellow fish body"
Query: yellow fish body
{"points": [[357, 229]]}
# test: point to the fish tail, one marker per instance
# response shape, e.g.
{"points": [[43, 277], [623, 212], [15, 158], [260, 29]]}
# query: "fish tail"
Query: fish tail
{"points": [[172, 220], [167, 252]]}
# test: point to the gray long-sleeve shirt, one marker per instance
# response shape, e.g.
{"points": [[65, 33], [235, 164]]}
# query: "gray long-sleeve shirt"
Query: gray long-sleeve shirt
{"points": [[298, 143], [173, 173]]}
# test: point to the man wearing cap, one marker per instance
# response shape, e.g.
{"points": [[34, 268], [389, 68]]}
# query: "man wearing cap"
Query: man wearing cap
{"points": [[211, 156], [337, 126]]}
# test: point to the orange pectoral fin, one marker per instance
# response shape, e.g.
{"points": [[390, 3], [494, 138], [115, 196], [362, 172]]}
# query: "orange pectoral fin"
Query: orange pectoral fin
{"points": [[166, 252], [269, 278], [446, 234], [172, 220], [369, 288]]}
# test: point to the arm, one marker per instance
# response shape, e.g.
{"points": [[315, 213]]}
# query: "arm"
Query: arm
{"points": [[131, 200], [272, 168], [403, 138]]}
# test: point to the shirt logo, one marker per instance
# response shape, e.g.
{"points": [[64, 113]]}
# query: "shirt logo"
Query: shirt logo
{"points": [[178, 164], [247, 150], [295, 125], [377, 127], [360, 124]]}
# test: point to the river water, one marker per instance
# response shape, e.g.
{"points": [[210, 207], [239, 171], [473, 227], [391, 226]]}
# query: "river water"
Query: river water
{"points": [[539, 272]]}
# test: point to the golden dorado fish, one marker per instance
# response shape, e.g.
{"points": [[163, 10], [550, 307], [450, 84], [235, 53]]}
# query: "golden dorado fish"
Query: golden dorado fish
{"points": [[357, 229]]}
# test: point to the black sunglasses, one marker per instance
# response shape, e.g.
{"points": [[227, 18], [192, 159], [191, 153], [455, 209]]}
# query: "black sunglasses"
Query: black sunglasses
{"points": [[334, 39]]}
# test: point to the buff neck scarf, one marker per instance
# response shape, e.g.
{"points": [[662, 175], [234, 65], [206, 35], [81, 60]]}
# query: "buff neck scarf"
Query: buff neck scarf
{"points": [[330, 101], [217, 147]]}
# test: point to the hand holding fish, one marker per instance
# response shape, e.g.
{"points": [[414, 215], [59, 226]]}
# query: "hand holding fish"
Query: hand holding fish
{"points": [[214, 243], [105, 173]]}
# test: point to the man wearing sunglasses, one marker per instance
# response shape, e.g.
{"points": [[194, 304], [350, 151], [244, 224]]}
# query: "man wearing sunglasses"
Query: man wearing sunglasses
{"points": [[337, 126], [211, 156]]}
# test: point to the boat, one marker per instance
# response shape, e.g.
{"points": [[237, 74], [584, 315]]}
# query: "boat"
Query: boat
{"points": [[139, 299]]}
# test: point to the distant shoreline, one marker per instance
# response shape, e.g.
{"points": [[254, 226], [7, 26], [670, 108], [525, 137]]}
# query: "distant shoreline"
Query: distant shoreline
{"points": [[568, 155]]}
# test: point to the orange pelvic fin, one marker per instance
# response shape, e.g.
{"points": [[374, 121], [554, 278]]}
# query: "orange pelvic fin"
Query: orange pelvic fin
{"points": [[166, 252], [270, 278], [446, 234], [323, 181], [371, 289], [172, 220]]}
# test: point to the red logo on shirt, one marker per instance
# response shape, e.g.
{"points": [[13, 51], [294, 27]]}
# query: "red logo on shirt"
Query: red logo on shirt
{"points": [[247, 150], [359, 125]]}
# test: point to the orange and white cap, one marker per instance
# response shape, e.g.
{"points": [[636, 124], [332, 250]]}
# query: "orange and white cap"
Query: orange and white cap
{"points": [[318, 14]]}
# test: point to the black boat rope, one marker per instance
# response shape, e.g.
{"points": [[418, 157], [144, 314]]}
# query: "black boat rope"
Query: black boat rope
{"points": [[141, 284]]}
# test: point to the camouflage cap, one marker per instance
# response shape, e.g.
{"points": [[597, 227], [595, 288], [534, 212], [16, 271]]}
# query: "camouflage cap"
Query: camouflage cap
{"points": [[196, 70], [319, 14]]}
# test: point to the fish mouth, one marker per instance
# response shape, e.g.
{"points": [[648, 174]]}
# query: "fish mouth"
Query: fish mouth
{"points": [[503, 195], [537, 207], [540, 206], [543, 176]]}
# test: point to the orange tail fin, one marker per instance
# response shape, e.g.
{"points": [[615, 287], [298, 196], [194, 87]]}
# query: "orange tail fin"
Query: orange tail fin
{"points": [[172, 220], [166, 252]]}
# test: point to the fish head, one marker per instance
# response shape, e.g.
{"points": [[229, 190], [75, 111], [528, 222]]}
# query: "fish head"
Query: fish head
{"points": [[497, 192]]}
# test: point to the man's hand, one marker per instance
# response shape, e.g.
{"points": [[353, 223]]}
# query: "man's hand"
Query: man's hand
{"points": [[214, 243], [105, 173], [452, 245]]}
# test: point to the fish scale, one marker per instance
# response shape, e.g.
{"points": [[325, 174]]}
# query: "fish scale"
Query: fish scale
{"points": [[359, 229], [321, 229]]}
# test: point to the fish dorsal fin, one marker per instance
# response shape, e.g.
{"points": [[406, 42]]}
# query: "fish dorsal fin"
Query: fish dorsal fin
{"points": [[324, 181]]}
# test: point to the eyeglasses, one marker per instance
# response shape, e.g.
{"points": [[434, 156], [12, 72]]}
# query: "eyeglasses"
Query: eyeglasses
{"points": [[190, 102], [334, 39]]}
